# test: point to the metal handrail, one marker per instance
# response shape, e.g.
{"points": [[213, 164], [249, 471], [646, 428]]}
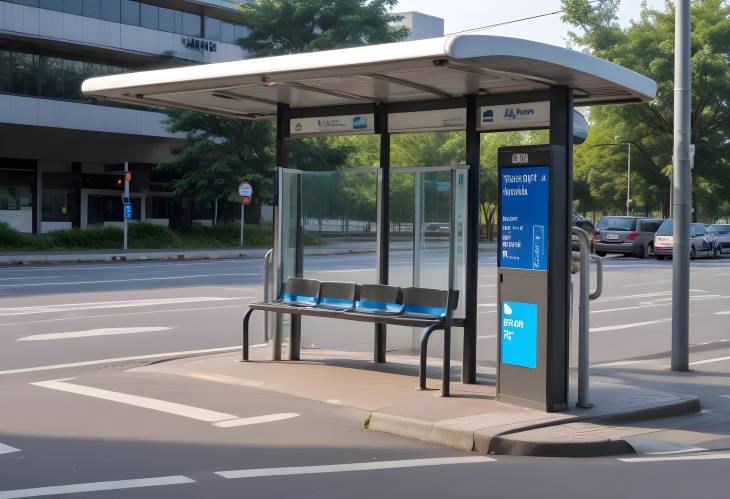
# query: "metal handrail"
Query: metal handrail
{"points": [[584, 319], [268, 286], [599, 277]]}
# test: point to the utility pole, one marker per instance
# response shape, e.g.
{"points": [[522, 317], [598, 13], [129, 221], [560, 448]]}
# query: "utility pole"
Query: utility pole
{"points": [[628, 184], [125, 200], [682, 189]]}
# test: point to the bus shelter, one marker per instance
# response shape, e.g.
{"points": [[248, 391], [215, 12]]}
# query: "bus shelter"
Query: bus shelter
{"points": [[469, 83]]}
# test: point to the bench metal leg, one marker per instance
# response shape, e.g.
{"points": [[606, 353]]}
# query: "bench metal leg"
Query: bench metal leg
{"points": [[425, 335], [380, 341], [446, 374], [244, 339], [295, 337]]}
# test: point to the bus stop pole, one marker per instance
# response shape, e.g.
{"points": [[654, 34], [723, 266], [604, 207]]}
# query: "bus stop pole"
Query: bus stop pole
{"points": [[469, 359], [282, 160], [682, 188], [383, 225]]}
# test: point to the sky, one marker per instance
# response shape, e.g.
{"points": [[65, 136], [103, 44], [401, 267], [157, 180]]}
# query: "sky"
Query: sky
{"points": [[464, 14]]}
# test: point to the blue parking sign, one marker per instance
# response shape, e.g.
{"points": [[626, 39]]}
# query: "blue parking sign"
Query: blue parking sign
{"points": [[127, 211]]}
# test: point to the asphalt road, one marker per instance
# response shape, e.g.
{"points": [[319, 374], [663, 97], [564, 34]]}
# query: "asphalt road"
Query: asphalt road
{"points": [[60, 326]]}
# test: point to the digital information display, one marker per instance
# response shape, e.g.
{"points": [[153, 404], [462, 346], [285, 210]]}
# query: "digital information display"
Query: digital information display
{"points": [[519, 334], [523, 241]]}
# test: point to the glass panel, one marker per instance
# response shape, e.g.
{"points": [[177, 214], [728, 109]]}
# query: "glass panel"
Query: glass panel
{"points": [[148, 16], [190, 24], [56, 5], [73, 7], [178, 22], [111, 10], [241, 31], [25, 83], [5, 81], [51, 76], [25, 61], [130, 12], [157, 207], [29, 3], [212, 29], [5, 57], [167, 19], [92, 8], [73, 75], [228, 33], [55, 205], [287, 230]]}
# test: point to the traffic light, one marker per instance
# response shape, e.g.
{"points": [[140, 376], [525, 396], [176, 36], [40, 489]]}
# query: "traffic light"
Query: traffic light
{"points": [[119, 182]]}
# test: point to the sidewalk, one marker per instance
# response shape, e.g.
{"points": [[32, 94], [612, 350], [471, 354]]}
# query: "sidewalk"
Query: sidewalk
{"points": [[339, 247], [471, 420]]}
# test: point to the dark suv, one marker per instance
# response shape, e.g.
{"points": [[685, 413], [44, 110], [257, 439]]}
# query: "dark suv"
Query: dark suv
{"points": [[625, 235]]}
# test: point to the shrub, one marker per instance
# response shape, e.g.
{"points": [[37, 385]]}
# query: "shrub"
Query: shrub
{"points": [[93, 238], [11, 238], [147, 235]]}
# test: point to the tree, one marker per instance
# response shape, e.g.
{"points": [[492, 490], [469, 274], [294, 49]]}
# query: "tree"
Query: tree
{"points": [[220, 152], [647, 46]]}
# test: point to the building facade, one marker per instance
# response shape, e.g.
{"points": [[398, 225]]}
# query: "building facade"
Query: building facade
{"points": [[421, 25], [60, 152]]}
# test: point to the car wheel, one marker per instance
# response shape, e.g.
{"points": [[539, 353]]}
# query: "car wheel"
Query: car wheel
{"points": [[660, 257], [643, 252], [601, 253], [692, 253]]}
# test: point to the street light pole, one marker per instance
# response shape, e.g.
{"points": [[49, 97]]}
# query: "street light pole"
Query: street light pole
{"points": [[681, 198], [628, 183]]}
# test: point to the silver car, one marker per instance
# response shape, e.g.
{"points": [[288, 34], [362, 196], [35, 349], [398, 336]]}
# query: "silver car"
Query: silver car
{"points": [[700, 241], [720, 234], [625, 235]]}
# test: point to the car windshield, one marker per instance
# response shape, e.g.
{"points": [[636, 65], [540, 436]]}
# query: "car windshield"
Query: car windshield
{"points": [[665, 229], [616, 223], [718, 230]]}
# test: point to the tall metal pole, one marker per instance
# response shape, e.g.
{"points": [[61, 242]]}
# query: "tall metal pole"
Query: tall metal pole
{"points": [[383, 236], [628, 184], [682, 194], [125, 200], [243, 207]]}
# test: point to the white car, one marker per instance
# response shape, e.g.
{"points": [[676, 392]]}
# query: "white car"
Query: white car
{"points": [[701, 243]]}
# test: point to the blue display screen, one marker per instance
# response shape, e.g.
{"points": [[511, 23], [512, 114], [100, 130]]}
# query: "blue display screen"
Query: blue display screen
{"points": [[128, 211], [523, 227], [518, 334]]}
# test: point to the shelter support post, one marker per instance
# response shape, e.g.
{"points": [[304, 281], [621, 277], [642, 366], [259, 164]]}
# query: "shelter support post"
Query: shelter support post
{"points": [[383, 225], [282, 160], [469, 362]]}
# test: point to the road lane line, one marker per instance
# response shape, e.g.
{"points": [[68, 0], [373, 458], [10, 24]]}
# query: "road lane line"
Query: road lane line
{"points": [[86, 317], [621, 363], [109, 331], [691, 457], [54, 367], [6, 449], [28, 277], [133, 279], [628, 308], [186, 411], [367, 466], [487, 337], [269, 418], [74, 307], [708, 361], [626, 326], [77, 488]]}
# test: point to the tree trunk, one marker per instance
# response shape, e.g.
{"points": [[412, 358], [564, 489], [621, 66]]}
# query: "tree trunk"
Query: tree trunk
{"points": [[215, 213]]}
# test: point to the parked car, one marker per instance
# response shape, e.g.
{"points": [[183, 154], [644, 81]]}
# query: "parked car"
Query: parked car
{"points": [[720, 234], [586, 225], [625, 235], [701, 243]]}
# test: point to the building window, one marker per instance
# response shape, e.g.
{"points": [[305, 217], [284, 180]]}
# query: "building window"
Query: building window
{"points": [[73, 7], [130, 12], [228, 32], [148, 16], [55, 205], [241, 32], [111, 10], [29, 3], [92, 8], [56, 5], [212, 29], [157, 207], [191, 24], [167, 20]]}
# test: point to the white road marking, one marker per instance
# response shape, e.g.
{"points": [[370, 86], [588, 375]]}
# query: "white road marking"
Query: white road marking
{"points": [[86, 317], [487, 305], [620, 363], [28, 277], [487, 337], [724, 312], [269, 418], [133, 279], [367, 466], [626, 326], [186, 411], [85, 363], [6, 449], [691, 457], [628, 308], [77, 488], [93, 332], [708, 361], [73, 307], [487, 285]]}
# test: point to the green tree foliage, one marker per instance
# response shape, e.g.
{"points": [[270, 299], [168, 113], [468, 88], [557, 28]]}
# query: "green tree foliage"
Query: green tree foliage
{"points": [[293, 26], [647, 46], [219, 151]]}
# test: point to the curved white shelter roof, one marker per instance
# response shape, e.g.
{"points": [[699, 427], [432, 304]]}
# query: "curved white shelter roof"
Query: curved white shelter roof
{"points": [[436, 68]]}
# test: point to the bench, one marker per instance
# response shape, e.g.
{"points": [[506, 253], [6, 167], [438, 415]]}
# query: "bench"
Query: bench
{"points": [[425, 308]]}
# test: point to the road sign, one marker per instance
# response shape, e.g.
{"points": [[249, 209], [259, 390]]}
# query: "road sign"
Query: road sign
{"points": [[246, 200], [127, 211], [245, 189]]}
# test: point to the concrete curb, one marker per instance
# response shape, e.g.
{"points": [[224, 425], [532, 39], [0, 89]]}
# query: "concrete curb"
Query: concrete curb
{"points": [[508, 442]]}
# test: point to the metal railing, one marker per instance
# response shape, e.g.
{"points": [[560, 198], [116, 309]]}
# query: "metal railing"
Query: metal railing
{"points": [[268, 292], [586, 295]]}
